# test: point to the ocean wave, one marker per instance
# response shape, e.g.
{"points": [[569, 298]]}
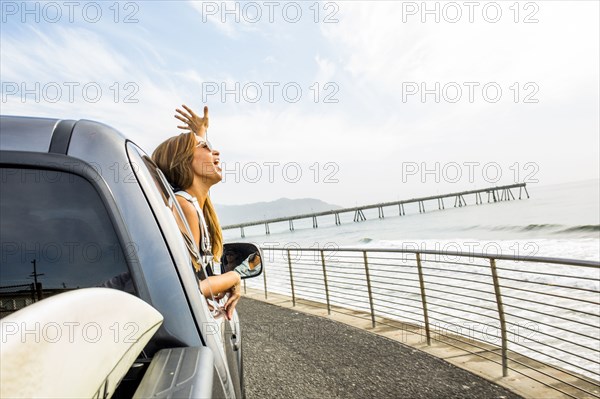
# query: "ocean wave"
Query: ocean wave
{"points": [[588, 228], [531, 227], [554, 228]]}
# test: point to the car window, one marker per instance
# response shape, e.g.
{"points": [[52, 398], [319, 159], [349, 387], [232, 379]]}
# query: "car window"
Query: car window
{"points": [[56, 235]]}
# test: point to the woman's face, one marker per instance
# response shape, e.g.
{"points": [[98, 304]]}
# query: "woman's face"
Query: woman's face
{"points": [[206, 163]]}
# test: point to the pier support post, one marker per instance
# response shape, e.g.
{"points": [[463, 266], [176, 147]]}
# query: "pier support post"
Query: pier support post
{"points": [[242, 229], [460, 200], [401, 210], [267, 231], [441, 203], [315, 224], [359, 216], [291, 222]]}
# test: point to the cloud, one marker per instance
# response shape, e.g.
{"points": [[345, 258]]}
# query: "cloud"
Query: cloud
{"points": [[135, 97], [230, 18], [369, 54], [326, 69]]}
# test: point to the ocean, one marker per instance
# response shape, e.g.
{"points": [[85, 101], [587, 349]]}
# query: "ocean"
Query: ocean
{"points": [[561, 220]]}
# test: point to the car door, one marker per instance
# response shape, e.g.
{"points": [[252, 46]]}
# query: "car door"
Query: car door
{"points": [[215, 332]]}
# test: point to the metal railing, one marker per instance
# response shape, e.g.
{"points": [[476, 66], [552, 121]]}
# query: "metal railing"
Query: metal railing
{"points": [[539, 313]]}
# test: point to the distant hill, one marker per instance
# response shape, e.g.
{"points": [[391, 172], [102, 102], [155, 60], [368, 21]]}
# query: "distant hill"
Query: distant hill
{"points": [[233, 214]]}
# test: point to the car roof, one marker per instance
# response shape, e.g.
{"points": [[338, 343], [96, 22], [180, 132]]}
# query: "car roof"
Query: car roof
{"points": [[21, 133], [33, 134]]}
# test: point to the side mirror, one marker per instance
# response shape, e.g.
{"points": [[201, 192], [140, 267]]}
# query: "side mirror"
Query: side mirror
{"points": [[244, 257]]}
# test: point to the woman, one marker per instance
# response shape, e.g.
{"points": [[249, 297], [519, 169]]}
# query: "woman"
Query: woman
{"points": [[192, 166]]}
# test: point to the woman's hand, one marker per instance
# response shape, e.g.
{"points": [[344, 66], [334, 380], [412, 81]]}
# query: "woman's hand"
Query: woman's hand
{"points": [[235, 293], [215, 287], [193, 122]]}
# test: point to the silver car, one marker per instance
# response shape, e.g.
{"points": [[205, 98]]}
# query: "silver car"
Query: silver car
{"points": [[83, 206]]}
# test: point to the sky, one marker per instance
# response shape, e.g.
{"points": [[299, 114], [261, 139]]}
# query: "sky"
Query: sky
{"points": [[350, 102]]}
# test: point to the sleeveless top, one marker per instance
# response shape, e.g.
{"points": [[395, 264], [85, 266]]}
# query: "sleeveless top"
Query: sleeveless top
{"points": [[206, 257]]}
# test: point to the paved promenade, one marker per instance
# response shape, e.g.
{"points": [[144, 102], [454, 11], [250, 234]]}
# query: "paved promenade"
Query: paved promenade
{"points": [[289, 354]]}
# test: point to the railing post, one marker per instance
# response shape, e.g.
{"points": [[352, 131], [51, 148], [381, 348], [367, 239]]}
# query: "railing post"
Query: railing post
{"points": [[369, 289], [265, 280], [500, 316], [291, 278], [325, 281], [423, 299]]}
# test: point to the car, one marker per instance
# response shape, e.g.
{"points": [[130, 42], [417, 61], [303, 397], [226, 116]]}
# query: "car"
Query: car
{"points": [[82, 206]]}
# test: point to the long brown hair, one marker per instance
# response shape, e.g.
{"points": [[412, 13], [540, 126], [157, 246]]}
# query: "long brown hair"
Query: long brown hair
{"points": [[174, 157]]}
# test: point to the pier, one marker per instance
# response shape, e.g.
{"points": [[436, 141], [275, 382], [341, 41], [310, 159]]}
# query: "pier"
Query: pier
{"points": [[494, 194]]}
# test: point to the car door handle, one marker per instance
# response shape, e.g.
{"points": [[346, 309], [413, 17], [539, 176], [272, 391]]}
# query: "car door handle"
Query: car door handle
{"points": [[235, 342]]}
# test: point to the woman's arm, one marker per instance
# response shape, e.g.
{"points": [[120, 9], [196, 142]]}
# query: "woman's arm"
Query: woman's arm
{"points": [[219, 284]]}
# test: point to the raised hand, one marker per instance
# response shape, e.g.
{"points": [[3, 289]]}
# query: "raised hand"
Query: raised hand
{"points": [[193, 122]]}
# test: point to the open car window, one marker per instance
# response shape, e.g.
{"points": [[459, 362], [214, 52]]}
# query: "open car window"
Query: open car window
{"points": [[169, 200]]}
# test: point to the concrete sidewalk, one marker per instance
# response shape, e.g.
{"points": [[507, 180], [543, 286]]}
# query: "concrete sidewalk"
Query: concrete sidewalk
{"points": [[291, 354]]}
